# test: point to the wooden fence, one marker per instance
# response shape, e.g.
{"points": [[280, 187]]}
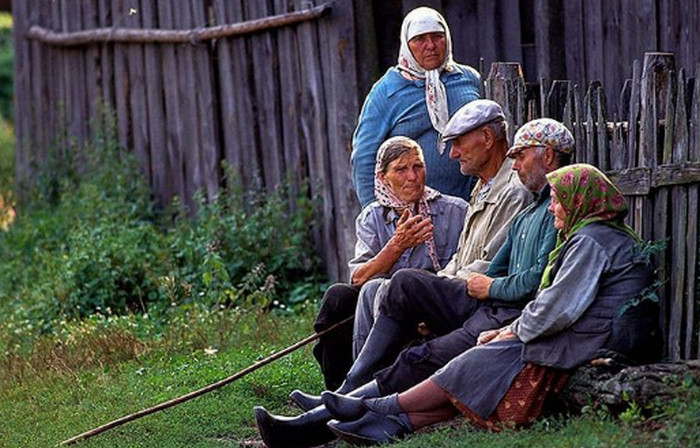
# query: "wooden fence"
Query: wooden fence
{"points": [[651, 150], [271, 87], [578, 40], [265, 85]]}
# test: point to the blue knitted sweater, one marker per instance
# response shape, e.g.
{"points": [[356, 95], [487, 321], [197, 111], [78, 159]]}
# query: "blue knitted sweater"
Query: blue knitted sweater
{"points": [[396, 106]]}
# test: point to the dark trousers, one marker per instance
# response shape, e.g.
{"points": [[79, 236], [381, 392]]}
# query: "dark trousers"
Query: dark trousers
{"points": [[334, 350], [417, 363], [454, 317]]}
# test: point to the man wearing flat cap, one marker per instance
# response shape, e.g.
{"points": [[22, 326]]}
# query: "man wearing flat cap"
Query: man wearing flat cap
{"points": [[457, 306], [439, 303]]}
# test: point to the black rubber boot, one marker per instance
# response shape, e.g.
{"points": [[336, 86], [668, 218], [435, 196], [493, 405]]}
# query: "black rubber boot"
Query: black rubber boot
{"points": [[307, 430], [372, 428], [305, 401], [383, 345], [346, 408]]}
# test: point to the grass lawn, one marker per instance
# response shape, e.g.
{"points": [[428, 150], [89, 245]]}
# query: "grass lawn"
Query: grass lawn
{"points": [[40, 408]]}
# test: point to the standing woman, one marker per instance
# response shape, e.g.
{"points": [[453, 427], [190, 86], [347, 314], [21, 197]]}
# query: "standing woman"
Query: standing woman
{"points": [[410, 225], [582, 311], [415, 98]]}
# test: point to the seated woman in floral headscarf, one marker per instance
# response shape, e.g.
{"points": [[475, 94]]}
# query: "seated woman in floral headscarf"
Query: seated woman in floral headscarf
{"points": [[410, 225], [581, 311]]}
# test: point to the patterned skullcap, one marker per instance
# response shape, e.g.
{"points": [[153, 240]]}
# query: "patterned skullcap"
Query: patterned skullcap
{"points": [[542, 132]]}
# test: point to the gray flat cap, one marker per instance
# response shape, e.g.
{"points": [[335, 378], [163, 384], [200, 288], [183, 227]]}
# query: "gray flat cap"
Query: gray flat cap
{"points": [[471, 116]]}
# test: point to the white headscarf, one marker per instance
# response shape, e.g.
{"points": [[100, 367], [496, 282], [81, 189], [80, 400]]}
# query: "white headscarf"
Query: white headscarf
{"points": [[420, 21]]}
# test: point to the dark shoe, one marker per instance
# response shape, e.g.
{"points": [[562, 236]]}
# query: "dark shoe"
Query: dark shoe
{"points": [[307, 430], [372, 428], [344, 407], [305, 401]]}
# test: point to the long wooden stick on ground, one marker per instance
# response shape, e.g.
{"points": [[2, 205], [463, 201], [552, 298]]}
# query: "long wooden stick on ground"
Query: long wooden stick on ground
{"points": [[204, 390]]}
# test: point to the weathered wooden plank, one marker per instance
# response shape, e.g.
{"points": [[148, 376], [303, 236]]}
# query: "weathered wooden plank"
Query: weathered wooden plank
{"points": [[174, 120], [290, 102], [121, 78], [22, 91], [62, 92], [574, 39], [670, 124], [549, 39], [594, 47], [556, 100], [367, 53], [632, 181], [694, 123], [603, 149], [645, 19], [245, 116], [681, 140], [510, 32], [579, 130], [40, 111], [654, 86], [487, 31], [206, 108], [691, 250], [661, 259], [314, 123], [179, 36], [341, 111], [463, 20], [191, 137], [92, 69], [633, 120], [76, 111], [137, 94], [161, 180], [267, 101], [106, 64], [590, 154], [505, 85], [679, 227], [614, 63], [409, 5], [228, 112]]}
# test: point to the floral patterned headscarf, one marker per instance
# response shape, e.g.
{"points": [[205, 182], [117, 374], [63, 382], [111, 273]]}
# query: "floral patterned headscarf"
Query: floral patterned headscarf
{"points": [[420, 21], [587, 196], [387, 197]]}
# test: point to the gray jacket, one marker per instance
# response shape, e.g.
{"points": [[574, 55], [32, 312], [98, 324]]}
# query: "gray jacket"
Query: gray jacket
{"points": [[578, 317]]}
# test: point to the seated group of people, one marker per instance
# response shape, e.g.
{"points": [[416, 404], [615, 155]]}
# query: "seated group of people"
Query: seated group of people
{"points": [[481, 308]]}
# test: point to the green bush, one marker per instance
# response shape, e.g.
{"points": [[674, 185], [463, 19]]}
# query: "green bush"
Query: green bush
{"points": [[90, 240], [6, 66]]}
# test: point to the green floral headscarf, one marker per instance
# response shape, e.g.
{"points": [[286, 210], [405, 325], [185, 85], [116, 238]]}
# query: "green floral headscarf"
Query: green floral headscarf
{"points": [[587, 196]]}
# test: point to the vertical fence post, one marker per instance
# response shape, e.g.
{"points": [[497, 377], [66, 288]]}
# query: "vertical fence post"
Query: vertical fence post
{"points": [[506, 86], [651, 212]]}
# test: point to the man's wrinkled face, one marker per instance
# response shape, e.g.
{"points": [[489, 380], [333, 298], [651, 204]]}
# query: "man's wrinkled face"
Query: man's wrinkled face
{"points": [[529, 164], [471, 151]]}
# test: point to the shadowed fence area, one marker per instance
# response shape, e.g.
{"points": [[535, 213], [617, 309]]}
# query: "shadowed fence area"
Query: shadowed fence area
{"points": [[271, 87], [651, 150], [267, 87]]}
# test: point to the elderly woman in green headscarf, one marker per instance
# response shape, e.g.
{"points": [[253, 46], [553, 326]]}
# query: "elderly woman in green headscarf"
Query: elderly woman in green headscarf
{"points": [[581, 312]]}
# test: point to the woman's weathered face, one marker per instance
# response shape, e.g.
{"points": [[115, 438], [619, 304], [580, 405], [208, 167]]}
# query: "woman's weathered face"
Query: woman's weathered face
{"points": [[406, 176], [559, 213], [429, 49]]}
